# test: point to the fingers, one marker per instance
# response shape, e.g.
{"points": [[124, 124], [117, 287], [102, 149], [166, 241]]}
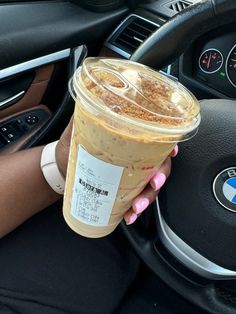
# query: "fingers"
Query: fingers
{"points": [[130, 217], [160, 177], [163, 173], [140, 203], [175, 151], [149, 194]]}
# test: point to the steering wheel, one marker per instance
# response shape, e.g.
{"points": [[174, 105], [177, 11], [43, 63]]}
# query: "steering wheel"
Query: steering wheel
{"points": [[195, 250]]}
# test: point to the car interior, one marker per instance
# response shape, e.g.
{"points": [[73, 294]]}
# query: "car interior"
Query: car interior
{"points": [[186, 239]]}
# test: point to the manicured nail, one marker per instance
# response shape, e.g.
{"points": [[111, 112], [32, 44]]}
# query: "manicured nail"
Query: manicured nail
{"points": [[150, 176], [175, 151], [158, 181], [131, 219], [140, 204]]}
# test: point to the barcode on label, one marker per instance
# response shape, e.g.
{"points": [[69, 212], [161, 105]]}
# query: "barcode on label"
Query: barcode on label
{"points": [[93, 188]]}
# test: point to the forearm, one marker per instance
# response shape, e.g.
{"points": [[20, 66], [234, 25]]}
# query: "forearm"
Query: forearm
{"points": [[23, 189]]}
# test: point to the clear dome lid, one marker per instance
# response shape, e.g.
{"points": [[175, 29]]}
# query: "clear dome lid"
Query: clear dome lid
{"points": [[137, 94]]}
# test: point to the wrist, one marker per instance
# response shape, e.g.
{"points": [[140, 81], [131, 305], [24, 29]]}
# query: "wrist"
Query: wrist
{"points": [[50, 169], [62, 158]]}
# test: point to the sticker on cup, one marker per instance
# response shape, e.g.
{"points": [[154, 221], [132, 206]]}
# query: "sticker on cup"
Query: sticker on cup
{"points": [[95, 189]]}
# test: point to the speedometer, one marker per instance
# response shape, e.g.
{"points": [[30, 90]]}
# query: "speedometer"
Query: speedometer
{"points": [[231, 66]]}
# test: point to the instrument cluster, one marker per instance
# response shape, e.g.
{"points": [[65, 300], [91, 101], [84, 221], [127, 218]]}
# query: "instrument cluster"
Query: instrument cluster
{"points": [[215, 64]]}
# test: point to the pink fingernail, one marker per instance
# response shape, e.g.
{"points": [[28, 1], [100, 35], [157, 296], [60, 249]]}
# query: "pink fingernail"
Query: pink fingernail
{"points": [[175, 151], [131, 219], [150, 176], [140, 204], [158, 181]]}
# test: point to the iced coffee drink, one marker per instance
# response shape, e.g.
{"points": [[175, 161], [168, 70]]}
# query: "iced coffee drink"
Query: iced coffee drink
{"points": [[127, 120]]}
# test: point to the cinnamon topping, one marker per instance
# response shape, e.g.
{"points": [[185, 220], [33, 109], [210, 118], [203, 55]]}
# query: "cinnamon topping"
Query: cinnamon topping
{"points": [[146, 98]]}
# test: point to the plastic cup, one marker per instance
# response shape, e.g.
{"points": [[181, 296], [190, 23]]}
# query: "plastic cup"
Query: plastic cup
{"points": [[127, 120]]}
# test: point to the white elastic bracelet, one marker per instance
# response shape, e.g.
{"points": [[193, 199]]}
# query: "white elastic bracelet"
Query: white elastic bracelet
{"points": [[50, 169]]}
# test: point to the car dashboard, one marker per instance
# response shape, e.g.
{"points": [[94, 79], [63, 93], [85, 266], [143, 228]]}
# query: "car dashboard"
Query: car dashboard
{"points": [[209, 64], [207, 67]]}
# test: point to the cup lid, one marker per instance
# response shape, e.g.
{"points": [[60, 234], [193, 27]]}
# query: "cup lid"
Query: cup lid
{"points": [[138, 95]]}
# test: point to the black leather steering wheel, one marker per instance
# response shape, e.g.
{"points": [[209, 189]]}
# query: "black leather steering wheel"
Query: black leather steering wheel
{"points": [[191, 224]]}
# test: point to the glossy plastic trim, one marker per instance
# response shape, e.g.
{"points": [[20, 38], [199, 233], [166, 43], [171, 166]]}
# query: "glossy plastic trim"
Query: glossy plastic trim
{"points": [[34, 63]]}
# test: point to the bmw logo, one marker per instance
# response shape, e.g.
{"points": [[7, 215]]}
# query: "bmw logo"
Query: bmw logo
{"points": [[224, 188]]}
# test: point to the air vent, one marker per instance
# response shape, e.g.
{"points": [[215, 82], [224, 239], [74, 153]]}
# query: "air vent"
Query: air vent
{"points": [[130, 35], [179, 6]]}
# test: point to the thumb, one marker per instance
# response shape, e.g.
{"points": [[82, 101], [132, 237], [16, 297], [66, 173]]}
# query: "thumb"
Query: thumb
{"points": [[66, 135], [63, 148]]}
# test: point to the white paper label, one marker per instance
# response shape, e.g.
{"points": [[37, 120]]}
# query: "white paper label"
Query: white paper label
{"points": [[95, 188]]}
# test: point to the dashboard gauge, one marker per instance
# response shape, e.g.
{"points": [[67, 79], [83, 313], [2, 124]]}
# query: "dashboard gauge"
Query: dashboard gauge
{"points": [[211, 61], [231, 66]]}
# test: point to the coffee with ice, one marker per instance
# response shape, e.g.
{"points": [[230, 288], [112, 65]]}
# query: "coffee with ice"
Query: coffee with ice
{"points": [[127, 120]]}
